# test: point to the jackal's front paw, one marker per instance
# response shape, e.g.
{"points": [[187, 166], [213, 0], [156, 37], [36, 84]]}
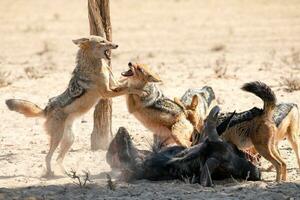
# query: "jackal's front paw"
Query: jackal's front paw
{"points": [[117, 89]]}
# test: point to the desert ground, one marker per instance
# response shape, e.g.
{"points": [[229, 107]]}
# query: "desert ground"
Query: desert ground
{"points": [[190, 43]]}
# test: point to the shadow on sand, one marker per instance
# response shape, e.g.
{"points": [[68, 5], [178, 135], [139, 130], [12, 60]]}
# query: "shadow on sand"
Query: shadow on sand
{"points": [[157, 190]]}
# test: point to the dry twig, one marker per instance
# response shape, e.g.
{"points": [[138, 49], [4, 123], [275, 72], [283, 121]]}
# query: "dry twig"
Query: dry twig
{"points": [[290, 84], [78, 180], [292, 59], [220, 67], [110, 184]]}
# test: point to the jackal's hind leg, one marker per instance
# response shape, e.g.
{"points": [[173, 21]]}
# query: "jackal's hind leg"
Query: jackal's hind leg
{"points": [[55, 129], [267, 153], [292, 138], [66, 143]]}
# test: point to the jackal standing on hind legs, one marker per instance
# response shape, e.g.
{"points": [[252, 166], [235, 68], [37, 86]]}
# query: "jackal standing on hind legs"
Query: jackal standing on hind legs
{"points": [[90, 81]]}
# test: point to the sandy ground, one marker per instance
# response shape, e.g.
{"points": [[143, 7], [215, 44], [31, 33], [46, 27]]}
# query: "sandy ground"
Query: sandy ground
{"points": [[184, 40]]}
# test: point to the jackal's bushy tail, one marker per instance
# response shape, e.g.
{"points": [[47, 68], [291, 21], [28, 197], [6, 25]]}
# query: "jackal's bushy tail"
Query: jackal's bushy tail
{"points": [[24, 107], [264, 92]]}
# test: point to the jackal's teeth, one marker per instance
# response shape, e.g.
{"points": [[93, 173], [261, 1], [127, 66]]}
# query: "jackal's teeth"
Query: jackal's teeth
{"points": [[107, 54]]}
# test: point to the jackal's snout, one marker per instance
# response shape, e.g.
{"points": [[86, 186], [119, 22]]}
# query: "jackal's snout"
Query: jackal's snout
{"points": [[111, 45], [141, 72], [114, 46]]}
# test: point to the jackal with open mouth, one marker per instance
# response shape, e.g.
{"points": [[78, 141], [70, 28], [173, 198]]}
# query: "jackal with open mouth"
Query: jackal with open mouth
{"points": [[167, 119], [90, 81]]}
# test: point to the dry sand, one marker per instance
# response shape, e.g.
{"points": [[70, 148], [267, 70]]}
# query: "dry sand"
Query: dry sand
{"points": [[182, 40]]}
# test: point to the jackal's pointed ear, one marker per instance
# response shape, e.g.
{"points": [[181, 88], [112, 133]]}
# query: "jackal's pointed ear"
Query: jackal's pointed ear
{"points": [[154, 78], [195, 102], [81, 42]]}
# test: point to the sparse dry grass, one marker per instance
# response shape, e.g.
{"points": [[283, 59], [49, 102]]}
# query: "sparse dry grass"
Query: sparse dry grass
{"points": [[80, 181], [220, 67], [292, 59], [189, 180], [4, 79], [33, 73], [290, 84], [110, 184]]}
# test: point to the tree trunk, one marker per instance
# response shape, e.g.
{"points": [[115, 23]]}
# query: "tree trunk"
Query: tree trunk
{"points": [[99, 18]]}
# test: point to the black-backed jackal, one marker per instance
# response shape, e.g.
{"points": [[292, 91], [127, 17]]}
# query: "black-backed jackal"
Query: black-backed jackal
{"points": [[264, 128], [90, 81], [167, 119]]}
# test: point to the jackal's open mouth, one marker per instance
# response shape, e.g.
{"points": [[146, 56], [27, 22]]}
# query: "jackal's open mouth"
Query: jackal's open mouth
{"points": [[107, 54], [127, 73]]}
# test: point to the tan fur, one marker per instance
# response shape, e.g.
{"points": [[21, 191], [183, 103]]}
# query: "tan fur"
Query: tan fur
{"points": [[196, 117], [173, 130], [288, 129], [91, 80], [262, 134], [191, 112], [27, 108], [193, 115]]}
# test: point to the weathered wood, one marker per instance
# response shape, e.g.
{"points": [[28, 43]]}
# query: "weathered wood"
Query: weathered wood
{"points": [[99, 19]]}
